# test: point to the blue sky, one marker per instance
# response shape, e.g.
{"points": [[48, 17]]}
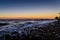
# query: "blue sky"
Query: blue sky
{"points": [[31, 8]]}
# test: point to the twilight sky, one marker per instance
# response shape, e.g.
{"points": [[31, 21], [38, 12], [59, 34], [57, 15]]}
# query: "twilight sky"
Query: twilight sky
{"points": [[29, 8]]}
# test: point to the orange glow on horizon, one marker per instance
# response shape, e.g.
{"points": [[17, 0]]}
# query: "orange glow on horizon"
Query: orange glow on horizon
{"points": [[37, 17], [29, 16]]}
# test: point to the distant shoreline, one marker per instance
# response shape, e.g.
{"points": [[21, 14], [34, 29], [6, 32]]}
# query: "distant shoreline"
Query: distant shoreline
{"points": [[24, 19]]}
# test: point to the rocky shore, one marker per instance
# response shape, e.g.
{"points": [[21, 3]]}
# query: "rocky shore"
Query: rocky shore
{"points": [[49, 32]]}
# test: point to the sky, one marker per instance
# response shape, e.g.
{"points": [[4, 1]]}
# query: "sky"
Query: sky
{"points": [[29, 8]]}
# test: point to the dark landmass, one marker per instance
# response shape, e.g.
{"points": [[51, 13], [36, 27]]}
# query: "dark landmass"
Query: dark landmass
{"points": [[3, 24], [24, 19]]}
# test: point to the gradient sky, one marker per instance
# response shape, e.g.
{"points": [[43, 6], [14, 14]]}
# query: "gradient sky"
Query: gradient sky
{"points": [[29, 8]]}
